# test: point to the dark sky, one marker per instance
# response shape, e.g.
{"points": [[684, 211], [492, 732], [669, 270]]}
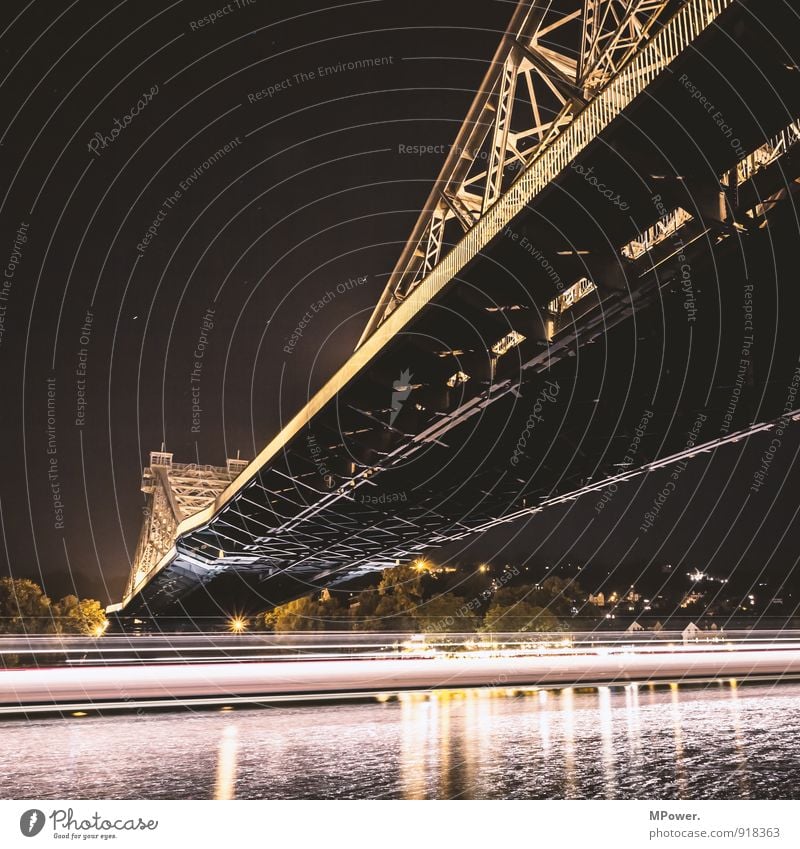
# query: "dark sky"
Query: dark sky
{"points": [[314, 188]]}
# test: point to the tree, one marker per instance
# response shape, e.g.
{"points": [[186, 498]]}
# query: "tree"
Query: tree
{"points": [[72, 615], [363, 614], [404, 584], [297, 615], [559, 595], [308, 613], [445, 613], [24, 608], [392, 606], [507, 613]]}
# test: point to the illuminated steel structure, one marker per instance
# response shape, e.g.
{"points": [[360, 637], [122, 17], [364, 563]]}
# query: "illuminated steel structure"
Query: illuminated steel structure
{"points": [[590, 232], [175, 491], [537, 85]]}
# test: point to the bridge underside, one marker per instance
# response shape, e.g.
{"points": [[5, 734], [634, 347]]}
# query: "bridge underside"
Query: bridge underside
{"points": [[574, 336]]}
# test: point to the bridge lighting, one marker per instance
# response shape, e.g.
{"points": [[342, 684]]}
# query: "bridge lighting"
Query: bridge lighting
{"points": [[237, 624], [569, 297], [663, 229], [509, 341], [457, 379]]}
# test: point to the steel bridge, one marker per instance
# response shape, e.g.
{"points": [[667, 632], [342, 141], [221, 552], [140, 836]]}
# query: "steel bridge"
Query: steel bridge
{"points": [[574, 307]]}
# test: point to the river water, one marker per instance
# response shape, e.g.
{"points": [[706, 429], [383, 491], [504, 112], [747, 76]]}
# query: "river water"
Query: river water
{"points": [[722, 741]]}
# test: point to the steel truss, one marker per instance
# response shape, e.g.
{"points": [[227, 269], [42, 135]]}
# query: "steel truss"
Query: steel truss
{"points": [[281, 521], [282, 517], [549, 67]]}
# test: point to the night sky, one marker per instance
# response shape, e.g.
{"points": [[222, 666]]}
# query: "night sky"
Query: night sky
{"points": [[172, 185]]}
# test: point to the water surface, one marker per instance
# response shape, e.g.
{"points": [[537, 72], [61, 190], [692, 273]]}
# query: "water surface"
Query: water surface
{"points": [[718, 742]]}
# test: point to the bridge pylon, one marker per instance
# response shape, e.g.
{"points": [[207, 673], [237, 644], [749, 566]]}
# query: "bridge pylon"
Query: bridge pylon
{"points": [[174, 492]]}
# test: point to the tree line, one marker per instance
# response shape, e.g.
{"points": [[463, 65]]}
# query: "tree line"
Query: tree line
{"points": [[405, 600], [25, 609]]}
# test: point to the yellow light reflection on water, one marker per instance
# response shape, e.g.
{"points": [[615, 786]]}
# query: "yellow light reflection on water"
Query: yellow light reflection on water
{"points": [[568, 718], [607, 737], [415, 716], [740, 750], [677, 730], [226, 764]]}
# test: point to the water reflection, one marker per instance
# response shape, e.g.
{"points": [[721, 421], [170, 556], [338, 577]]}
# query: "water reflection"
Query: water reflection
{"points": [[740, 748], [607, 736], [721, 741], [680, 759], [226, 764], [414, 725], [567, 711]]}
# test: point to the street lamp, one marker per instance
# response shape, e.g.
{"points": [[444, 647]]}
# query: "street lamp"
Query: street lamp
{"points": [[237, 624], [101, 628]]}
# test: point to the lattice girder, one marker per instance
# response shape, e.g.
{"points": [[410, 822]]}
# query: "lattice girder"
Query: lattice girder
{"points": [[551, 63]]}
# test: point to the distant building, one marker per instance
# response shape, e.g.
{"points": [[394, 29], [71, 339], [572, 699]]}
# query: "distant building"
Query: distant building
{"points": [[633, 595], [597, 599], [690, 632], [633, 628]]}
